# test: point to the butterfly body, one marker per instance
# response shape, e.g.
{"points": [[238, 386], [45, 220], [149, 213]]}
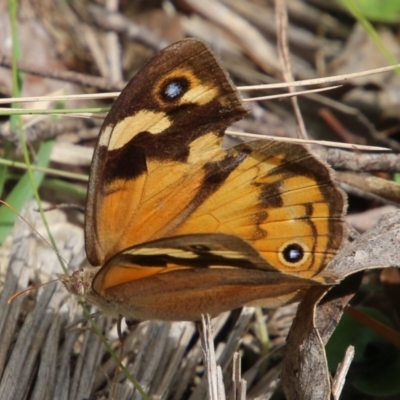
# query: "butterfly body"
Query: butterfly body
{"points": [[181, 227]]}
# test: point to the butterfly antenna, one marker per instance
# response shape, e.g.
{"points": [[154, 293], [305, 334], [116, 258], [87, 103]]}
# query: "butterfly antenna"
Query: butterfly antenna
{"points": [[28, 289], [38, 234]]}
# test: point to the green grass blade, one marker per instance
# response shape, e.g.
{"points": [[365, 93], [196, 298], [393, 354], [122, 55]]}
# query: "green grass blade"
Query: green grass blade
{"points": [[23, 192]]}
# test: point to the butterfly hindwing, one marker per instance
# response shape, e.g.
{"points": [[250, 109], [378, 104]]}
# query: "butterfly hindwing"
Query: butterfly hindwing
{"points": [[282, 200], [159, 279]]}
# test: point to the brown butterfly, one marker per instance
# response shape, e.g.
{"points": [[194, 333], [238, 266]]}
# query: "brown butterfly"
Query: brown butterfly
{"points": [[176, 226]]}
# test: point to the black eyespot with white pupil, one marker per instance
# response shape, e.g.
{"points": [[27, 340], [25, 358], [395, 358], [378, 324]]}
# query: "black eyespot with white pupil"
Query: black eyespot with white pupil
{"points": [[293, 253], [174, 89]]}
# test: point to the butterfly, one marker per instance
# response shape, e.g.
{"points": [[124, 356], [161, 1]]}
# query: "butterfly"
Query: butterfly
{"points": [[175, 226]]}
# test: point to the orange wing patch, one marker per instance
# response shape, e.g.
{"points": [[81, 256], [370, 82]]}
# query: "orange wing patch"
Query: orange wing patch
{"points": [[131, 210]]}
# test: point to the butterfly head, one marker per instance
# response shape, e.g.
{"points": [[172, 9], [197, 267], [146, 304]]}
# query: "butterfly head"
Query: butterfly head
{"points": [[79, 282]]}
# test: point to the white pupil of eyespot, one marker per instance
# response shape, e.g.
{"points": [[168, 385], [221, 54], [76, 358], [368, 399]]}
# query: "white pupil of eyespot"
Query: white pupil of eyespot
{"points": [[294, 254], [173, 90]]}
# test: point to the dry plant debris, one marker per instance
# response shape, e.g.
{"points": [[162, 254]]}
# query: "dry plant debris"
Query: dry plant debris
{"points": [[80, 47]]}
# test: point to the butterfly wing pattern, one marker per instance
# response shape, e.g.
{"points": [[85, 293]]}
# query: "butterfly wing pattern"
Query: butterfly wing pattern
{"points": [[180, 227]]}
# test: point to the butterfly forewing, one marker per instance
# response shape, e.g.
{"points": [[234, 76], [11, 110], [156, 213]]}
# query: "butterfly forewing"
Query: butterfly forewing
{"points": [[166, 124]]}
